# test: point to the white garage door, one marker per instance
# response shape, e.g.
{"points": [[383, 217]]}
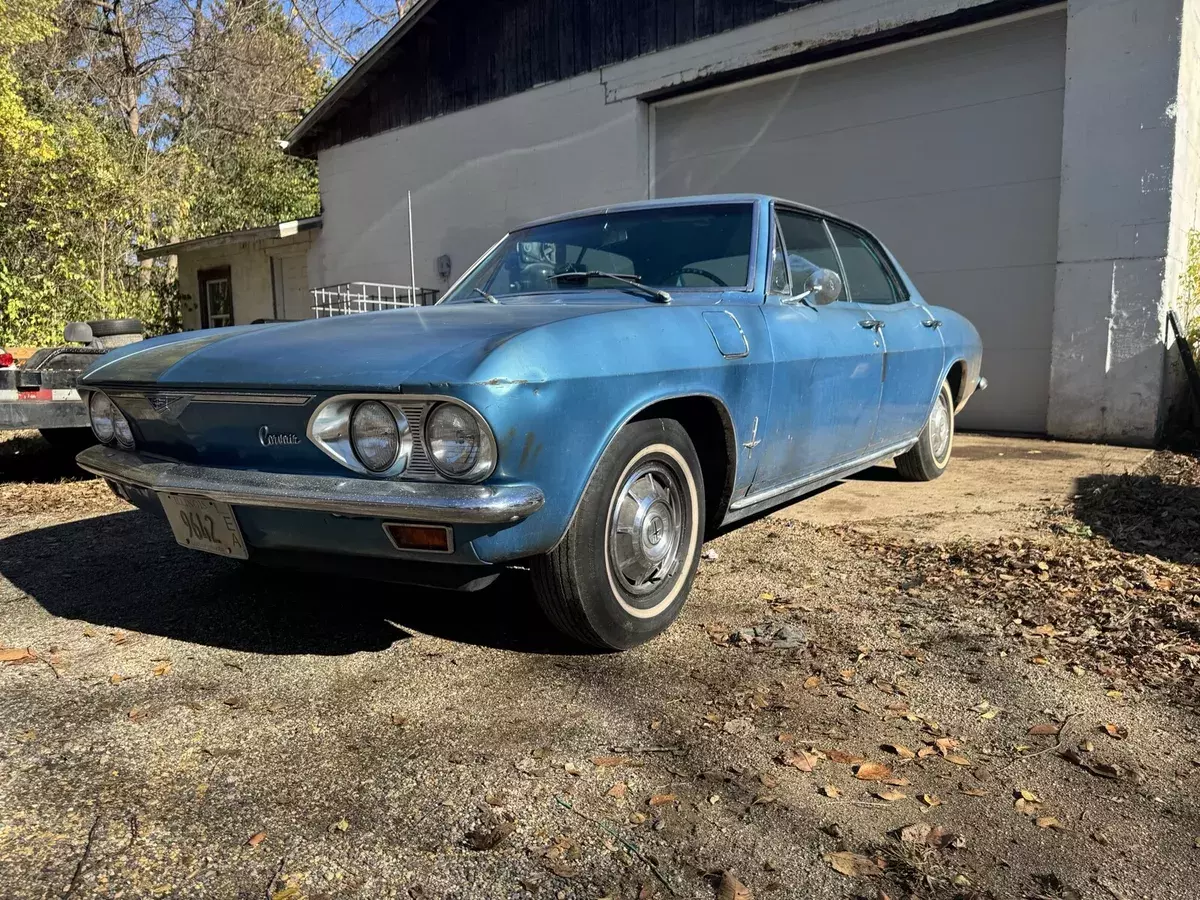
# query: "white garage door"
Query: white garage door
{"points": [[950, 151]]}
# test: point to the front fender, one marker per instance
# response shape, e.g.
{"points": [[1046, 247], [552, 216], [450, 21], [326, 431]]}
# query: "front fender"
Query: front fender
{"points": [[553, 416]]}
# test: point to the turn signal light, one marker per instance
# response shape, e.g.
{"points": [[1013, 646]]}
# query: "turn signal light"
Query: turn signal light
{"points": [[6, 360], [430, 538]]}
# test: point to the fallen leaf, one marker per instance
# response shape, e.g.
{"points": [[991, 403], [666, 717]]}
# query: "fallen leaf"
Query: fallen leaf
{"points": [[990, 714], [972, 791], [915, 833], [890, 794], [931, 800], [15, 655], [785, 736], [1045, 630], [162, 669], [766, 595], [872, 772], [661, 799], [399, 719], [571, 769], [1113, 730], [846, 759], [1114, 694], [255, 839], [1045, 728], [852, 865], [900, 750], [732, 889], [830, 791], [137, 714], [812, 682], [618, 790], [1028, 796], [926, 752], [799, 759], [1049, 822], [898, 780], [116, 679], [945, 745], [236, 702], [609, 762], [957, 760], [342, 825]]}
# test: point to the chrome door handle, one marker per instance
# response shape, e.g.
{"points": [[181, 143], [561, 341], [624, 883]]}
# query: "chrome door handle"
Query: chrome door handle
{"points": [[871, 324], [932, 323]]}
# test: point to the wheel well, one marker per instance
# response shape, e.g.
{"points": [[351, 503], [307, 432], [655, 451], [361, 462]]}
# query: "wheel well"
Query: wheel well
{"points": [[957, 372], [708, 424]]}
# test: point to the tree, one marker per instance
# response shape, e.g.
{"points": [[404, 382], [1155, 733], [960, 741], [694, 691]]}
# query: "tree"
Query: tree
{"points": [[128, 123]]}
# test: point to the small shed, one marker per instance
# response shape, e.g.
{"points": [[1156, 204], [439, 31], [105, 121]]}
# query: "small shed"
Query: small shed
{"points": [[238, 277]]}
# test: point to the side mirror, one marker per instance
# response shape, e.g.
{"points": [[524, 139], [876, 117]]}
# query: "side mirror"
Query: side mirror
{"points": [[78, 333], [823, 287]]}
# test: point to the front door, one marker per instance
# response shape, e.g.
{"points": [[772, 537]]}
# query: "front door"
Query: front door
{"points": [[216, 297], [912, 345], [828, 366]]}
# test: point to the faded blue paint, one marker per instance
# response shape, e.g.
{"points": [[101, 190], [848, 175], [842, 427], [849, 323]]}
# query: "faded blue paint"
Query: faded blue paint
{"points": [[556, 378]]}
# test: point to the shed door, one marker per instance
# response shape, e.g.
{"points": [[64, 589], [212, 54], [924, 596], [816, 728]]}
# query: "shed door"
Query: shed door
{"points": [[292, 299], [949, 151]]}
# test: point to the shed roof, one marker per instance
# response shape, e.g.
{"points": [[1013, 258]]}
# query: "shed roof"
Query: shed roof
{"points": [[225, 238]]}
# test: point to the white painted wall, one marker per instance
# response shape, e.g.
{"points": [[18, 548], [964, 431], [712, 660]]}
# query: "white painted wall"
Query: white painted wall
{"points": [[1128, 197], [473, 175]]}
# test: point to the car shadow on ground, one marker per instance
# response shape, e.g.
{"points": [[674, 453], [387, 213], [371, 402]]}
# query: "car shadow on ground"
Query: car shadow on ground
{"points": [[124, 571], [1142, 514], [26, 457]]}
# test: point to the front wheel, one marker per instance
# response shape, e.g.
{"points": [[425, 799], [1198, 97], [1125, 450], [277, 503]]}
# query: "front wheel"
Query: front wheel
{"points": [[622, 572], [930, 455]]}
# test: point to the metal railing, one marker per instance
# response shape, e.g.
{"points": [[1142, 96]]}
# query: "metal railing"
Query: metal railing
{"points": [[366, 296]]}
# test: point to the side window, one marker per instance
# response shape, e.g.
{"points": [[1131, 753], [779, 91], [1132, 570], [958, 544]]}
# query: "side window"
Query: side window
{"points": [[869, 279], [779, 271], [808, 246]]}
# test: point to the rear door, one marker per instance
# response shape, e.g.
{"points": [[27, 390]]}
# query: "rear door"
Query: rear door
{"points": [[828, 365], [912, 345]]}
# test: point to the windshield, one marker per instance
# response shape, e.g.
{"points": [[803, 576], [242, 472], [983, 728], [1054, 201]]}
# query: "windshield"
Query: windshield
{"points": [[669, 247]]}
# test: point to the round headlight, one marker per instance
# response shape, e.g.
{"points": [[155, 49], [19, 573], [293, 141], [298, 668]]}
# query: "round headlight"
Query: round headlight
{"points": [[374, 436], [122, 430], [457, 444], [100, 411]]}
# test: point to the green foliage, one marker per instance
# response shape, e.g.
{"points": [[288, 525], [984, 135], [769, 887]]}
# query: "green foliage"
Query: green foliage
{"points": [[118, 134], [1191, 291]]}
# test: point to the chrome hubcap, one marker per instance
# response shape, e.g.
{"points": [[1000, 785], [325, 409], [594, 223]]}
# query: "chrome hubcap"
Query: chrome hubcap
{"points": [[646, 528], [940, 425]]}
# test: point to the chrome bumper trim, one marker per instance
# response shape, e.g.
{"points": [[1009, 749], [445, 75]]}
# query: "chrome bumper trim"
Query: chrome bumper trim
{"points": [[465, 504]]}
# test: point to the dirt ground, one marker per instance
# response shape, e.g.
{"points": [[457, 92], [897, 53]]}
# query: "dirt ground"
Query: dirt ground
{"points": [[853, 704]]}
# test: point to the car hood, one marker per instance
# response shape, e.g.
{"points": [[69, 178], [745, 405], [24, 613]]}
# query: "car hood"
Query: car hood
{"points": [[430, 345]]}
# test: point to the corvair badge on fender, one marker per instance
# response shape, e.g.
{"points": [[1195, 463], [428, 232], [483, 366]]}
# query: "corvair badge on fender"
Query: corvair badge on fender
{"points": [[596, 394]]}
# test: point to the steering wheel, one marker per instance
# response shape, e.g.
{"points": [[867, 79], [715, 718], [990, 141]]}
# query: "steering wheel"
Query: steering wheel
{"points": [[535, 276], [703, 273]]}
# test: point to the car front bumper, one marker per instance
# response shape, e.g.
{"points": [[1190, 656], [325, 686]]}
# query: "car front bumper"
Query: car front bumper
{"points": [[437, 502]]}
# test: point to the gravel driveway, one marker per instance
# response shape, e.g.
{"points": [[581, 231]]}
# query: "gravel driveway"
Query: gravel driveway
{"points": [[839, 712]]}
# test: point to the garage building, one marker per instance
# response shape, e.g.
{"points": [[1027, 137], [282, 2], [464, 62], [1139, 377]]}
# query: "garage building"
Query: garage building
{"points": [[1033, 166]]}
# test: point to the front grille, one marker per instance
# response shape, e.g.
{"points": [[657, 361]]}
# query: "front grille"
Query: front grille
{"points": [[419, 465]]}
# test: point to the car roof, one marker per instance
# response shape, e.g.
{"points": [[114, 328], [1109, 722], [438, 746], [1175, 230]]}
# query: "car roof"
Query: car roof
{"points": [[669, 202]]}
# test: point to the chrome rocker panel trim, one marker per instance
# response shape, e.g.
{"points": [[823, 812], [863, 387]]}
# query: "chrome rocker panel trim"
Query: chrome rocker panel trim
{"points": [[465, 504]]}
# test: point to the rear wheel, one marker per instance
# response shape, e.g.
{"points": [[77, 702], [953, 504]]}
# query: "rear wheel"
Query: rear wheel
{"points": [[930, 455], [622, 572]]}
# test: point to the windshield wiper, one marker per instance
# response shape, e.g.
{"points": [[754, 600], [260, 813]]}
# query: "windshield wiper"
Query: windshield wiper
{"points": [[632, 281], [485, 295]]}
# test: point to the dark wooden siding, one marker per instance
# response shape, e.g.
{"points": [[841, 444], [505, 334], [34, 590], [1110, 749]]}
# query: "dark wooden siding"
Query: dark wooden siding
{"points": [[466, 52]]}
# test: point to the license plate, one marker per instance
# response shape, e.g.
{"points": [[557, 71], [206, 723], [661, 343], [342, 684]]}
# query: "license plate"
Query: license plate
{"points": [[203, 524]]}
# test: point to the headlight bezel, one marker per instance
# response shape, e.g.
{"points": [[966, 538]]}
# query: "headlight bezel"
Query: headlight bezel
{"points": [[329, 429], [93, 416], [484, 462]]}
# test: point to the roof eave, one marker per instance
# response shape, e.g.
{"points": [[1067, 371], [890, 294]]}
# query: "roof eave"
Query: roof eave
{"points": [[227, 238], [353, 76]]}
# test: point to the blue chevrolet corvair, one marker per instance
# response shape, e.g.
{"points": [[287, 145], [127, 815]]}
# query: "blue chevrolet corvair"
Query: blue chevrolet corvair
{"points": [[594, 396]]}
